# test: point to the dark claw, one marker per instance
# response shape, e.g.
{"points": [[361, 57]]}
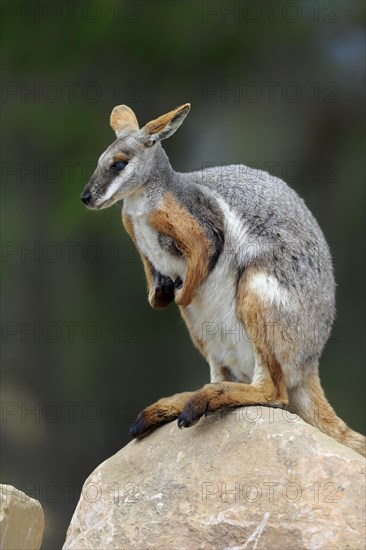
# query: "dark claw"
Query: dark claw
{"points": [[149, 420], [178, 283], [186, 420], [140, 428], [181, 421], [197, 406], [164, 282]]}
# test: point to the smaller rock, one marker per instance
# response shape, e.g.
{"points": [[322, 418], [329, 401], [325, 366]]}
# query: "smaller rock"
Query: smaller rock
{"points": [[21, 520]]}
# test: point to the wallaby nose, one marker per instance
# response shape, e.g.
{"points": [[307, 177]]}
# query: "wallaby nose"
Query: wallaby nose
{"points": [[85, 197]]}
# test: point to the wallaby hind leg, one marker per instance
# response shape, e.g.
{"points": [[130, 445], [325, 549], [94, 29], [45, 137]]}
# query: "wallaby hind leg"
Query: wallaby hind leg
{"points": [[163, 411], [223, 395], [268, 384]]}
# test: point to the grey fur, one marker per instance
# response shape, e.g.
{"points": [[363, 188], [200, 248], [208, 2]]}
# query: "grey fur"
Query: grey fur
{"points": [[286, 241], [284, 238]]}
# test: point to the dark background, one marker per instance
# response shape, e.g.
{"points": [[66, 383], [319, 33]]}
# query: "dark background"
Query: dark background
{"points": [[278, 85]]}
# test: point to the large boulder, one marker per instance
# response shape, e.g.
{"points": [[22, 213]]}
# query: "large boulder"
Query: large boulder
{"points": [[21, 520], [252, 478]]}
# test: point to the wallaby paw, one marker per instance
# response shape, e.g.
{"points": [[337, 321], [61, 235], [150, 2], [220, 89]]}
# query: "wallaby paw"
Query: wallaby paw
{"points": [[197, 406], [163, 294], [149, 419], [139, 428]]}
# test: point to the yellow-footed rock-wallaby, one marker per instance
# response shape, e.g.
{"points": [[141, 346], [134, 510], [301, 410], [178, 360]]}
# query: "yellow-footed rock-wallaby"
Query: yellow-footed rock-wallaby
{"points": [[247, 264]]}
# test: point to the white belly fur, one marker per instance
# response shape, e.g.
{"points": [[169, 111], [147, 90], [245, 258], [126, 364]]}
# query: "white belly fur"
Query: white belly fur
{"points": [[213, 310], [215, 322]]}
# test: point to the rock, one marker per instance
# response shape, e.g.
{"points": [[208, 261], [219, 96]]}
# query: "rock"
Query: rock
{"points": [[251, 478], [21, 520]]}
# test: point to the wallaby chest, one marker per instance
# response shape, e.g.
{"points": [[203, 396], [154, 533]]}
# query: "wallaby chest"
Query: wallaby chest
{"points": [[212, 313], [159, 249]]}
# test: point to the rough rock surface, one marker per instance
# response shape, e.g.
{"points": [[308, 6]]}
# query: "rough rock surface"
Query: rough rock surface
{"points": [[21, 520], [253, 478]]}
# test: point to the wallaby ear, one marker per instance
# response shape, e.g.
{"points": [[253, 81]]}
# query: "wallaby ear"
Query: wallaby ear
{"points": [[165, 126], [123, 120]]}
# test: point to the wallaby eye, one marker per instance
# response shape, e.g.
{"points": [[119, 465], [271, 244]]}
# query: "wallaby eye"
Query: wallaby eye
{"points": [[119, 165]]}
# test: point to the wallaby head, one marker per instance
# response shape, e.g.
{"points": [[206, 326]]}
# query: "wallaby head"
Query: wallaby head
{"points": [[131, 160]]}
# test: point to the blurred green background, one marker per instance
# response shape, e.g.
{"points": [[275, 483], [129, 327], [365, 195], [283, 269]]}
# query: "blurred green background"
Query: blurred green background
{"points": [[275, 85]]}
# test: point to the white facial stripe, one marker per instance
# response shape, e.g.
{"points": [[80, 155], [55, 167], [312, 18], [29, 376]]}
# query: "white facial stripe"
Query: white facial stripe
{"points": [[117, 182]]}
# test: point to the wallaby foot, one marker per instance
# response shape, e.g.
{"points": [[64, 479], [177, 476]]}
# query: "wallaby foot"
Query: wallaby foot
{"points": [[222, 395], [163, 411]]}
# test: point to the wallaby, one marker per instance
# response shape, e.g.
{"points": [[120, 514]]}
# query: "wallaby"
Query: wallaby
{"points": [[245, 261]]}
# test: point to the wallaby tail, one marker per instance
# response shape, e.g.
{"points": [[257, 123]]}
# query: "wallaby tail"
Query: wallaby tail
{"points": [[309, 402]]}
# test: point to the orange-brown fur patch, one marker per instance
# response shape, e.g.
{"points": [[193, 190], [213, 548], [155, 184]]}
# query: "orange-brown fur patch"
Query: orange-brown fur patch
{"points": [[157, 125], [255, 315], [223, 395], [174, 220], [309, 402], [323, 414], [270, 389], [121, 156]]}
